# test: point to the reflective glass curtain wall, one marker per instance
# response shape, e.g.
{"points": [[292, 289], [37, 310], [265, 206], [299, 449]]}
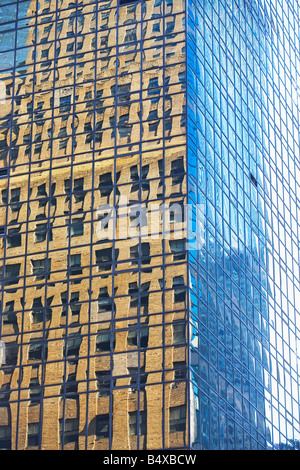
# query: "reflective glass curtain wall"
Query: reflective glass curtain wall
{"points": [[93, 323], [243, 169], [96, 96]]}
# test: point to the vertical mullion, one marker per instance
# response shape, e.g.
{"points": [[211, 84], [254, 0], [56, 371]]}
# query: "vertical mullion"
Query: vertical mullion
{"points": [[27, 223], [188, 355], [163, 236], [69, 238], [91, 234], [113, 273], [140, 234], [55, 17]]}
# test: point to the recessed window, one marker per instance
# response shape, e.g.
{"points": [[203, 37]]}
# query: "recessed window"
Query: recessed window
{"points": [[72, 345], [13, 237], [153, 86], [11, 274], [45, 54], [104, 340], [145, 252], [126, 2], [179, 335], [178, 249], [71, 429], [11, 355], [104, 258], [102, 426], [177, 170], [41, 268], [134, 379], [5, 437], [76, 227], [103, 382], [104, 301], [180, 370], [15, 199], [132, 337], [75, 265], [136, 427], [3, 172], [65, 103], [74, 305], [9, 315], [34, 390], [37, 310], [177, 419], [35, 350], [33, 434], [71, 386], [105, 184], [179, 289], [41, 232]]}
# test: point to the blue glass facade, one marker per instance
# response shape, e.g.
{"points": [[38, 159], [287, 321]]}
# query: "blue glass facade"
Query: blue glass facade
{"points": [[139, 340], [243, 162]]}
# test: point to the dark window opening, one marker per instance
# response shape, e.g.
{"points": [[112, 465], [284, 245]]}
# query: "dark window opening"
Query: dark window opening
{"points": [[9, 316], [104, 341], [11, 355], [180, 370], [126, 2], [72, 345], [71, 429], [34, 390], [11, 274], [103, 383], [13, 237], [71, 386], [179, 289], [134, 382], [5, 437], [177, 419], [33, 435], [75, 265], [41, 268], [102, 426], [179, 333], [104, 258], [104, 301], [132, 337], [177, 170], [178, 249], [3, 172], [105, 184], [36, 350], [134, 427]]}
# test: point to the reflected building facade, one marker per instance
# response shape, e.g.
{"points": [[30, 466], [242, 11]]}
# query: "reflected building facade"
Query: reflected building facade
{"points": [[112, 111], [243, 162]]}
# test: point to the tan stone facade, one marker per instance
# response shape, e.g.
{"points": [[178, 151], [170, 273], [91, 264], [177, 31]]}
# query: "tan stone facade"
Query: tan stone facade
{"points": [[92, 129]]}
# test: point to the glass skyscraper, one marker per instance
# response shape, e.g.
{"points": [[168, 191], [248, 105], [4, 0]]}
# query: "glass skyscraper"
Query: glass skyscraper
{"points": [[149, 234]]}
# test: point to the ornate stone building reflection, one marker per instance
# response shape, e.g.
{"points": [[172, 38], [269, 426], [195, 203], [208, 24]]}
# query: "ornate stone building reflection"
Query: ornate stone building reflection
{"points": [[115, 332], [94, 329]]}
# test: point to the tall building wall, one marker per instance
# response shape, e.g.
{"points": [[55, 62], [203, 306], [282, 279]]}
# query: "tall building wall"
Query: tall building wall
{"points": [[115, 333], [94, 328], [243, 167]]}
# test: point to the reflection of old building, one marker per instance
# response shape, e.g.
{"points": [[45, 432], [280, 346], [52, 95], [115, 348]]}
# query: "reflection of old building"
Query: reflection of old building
{"points": [[112, 111], [94, 329]]}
